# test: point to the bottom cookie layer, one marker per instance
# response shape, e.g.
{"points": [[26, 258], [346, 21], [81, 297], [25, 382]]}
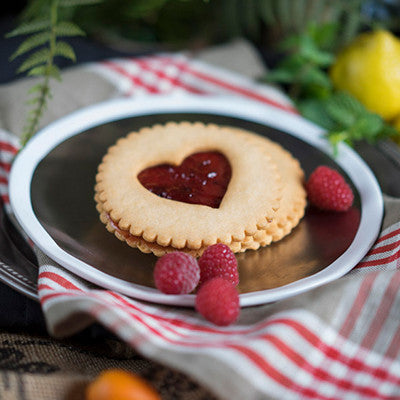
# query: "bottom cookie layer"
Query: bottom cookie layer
{"points": [[249, 243]]}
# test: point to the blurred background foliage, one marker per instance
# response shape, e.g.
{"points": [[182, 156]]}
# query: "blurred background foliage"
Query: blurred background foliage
{"points": [[129, 24], [298, 39], [195, 23]]}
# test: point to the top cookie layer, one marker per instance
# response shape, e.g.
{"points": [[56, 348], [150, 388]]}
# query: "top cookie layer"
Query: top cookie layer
{"points": [[250, 202]]}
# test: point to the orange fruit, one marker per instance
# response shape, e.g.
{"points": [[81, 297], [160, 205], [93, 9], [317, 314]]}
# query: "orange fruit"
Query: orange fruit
{"points": [[115, 384]]}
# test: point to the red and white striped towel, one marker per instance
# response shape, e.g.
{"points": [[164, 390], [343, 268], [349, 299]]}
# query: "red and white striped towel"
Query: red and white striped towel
{"points": [[339, 341]]}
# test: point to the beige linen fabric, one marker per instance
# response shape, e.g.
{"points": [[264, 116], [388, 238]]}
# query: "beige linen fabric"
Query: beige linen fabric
{"points": [[32, 367], [45, 368]]}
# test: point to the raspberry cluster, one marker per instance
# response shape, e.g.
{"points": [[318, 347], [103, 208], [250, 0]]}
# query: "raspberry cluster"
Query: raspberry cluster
{"points": [[215, 275]]}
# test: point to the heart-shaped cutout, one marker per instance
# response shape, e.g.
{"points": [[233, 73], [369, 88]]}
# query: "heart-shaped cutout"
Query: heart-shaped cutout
{"points": [[202, 178]]}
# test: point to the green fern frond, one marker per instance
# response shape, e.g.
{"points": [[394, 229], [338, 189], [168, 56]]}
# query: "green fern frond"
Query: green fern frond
{"points": [[29, 27], [38, 71], [39, 104], [33, 101], [45, 33], [35, 88], [65, 50], [38, 57], [51, 70], [66, 28], [30, 43]]}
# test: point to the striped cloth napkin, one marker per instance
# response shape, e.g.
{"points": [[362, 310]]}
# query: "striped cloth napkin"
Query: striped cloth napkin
{"points": [[339, 341]]}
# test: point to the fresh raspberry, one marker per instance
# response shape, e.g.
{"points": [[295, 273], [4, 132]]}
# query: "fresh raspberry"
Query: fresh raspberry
{"points": [[218, 301], [327, 190], [176, 273], [218, 260]]}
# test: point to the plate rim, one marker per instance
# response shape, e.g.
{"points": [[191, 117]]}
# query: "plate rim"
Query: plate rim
{"points": [[49, 137]]}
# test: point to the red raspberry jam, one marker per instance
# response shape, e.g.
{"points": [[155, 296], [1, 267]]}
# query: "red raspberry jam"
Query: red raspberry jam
{"points": [[202, 178]]}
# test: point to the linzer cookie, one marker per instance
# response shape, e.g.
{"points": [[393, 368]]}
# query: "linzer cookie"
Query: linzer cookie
{"points": [[186, 186], [293, 201]]}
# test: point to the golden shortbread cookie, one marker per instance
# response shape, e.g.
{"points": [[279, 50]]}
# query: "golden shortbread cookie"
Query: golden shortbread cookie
{"points": [[158, 225], [293, 201], [153, 247]]}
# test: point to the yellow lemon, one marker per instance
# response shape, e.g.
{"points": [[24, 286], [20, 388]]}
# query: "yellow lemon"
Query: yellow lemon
{"points": [[369, 68]]}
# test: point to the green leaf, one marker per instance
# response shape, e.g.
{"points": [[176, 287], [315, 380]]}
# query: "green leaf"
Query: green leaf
{"points": [[63, 49], [46, 70], [290, 43], [353, 121], [295, 62], [38, 71], [388, 131], [367, 127], [323, 35], [336, 137], [35, 88], [281, 75], [307, 46], [30, 27], [66, 28], [39, 57], [318, 92], [74, 3], [350, 102], [339, 112], [315, 111], [314, 76], [30, 43], [320, 58], [341, 136], [313, 54], [55, 72], [33, 101]]}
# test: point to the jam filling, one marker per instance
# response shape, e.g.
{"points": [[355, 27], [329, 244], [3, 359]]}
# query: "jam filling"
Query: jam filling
{"points": [[202, 178]]}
